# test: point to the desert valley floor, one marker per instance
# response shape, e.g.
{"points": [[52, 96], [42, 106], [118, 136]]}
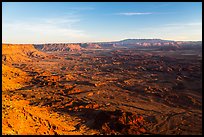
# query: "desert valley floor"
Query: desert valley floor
{"points": [[101, 91]]}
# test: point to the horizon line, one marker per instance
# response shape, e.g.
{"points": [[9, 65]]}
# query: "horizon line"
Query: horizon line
{"points": [[104, 41]]}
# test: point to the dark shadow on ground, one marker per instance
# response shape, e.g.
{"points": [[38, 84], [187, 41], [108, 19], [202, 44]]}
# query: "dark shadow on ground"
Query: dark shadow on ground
{"points": [[114, 122]]}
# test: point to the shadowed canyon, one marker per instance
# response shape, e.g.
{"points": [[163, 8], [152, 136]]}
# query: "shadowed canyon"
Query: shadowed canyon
{"points": [[128, 87]]}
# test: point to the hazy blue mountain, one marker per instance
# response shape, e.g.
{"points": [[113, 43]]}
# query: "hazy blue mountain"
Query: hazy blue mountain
{"points": [[133, 41]]}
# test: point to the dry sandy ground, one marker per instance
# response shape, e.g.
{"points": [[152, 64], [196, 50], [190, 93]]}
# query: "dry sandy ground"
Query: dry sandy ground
{"points": [[175, 113], [20, 118]]}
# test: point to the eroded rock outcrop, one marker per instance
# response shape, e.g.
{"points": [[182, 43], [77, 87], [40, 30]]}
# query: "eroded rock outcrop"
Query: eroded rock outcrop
{"points": [[17, 53]]}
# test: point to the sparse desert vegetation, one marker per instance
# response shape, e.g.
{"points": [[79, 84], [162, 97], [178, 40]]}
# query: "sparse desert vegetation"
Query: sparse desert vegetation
{"points": [[102, 68], [99, 90]]}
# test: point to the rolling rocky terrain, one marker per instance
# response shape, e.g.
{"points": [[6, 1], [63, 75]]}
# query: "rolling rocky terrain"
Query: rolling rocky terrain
{"points": [[139, 87]]}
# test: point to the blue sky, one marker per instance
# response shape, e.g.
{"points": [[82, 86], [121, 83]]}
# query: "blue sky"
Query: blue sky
{"points": [[47, 22]]}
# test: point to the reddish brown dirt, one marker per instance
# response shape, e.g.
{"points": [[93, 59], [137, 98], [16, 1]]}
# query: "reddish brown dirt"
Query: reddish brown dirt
{"points": [[101, 92], [22, 119]]}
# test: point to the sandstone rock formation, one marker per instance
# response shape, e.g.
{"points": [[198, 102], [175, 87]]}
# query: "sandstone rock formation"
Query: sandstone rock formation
{"points": [[59, 47], [16, 53]]}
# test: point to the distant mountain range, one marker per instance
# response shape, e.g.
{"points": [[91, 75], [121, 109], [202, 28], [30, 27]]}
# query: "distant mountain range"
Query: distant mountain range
{"points": [[133, 41], [126, 43]]}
